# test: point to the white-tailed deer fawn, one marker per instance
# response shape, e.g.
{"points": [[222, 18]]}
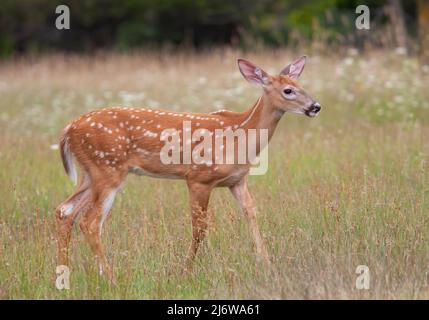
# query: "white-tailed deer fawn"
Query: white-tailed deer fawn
{"points": [[109, 143]]}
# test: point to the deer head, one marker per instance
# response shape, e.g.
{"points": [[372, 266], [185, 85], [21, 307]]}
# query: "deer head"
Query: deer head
{"points": [[283, 90]]}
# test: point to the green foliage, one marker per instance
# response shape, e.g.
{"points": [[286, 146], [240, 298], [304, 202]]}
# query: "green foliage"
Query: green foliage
{"points": [[30, 25]]}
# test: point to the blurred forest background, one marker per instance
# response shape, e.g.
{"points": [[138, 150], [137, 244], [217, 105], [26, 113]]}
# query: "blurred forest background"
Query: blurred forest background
{"points": [[28, 26]]}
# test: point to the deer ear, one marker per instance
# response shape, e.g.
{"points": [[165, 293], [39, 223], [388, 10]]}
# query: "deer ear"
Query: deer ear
{"points": [[252, 73], [295, 68]]}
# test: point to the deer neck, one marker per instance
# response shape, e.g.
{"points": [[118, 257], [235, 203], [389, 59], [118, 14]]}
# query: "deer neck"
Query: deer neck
{"points": [[263, 115]]}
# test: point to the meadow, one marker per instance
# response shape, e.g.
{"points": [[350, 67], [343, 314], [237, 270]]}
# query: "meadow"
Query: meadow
{"points": [[347, 188]]}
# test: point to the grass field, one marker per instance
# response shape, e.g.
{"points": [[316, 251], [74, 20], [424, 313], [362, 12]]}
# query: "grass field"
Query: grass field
{"points": [[347, 188]]}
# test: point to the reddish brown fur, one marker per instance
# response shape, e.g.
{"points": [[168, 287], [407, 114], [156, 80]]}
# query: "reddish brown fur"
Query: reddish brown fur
{"points": [[109, 143]]}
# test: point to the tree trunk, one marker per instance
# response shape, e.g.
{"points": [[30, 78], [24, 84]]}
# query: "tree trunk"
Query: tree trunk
{"points": [[396, 16], [423, 29]]}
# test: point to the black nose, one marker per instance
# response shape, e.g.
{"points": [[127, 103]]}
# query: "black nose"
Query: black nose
{"points": [[315, 107]]}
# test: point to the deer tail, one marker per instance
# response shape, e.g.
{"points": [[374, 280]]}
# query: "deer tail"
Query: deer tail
{"points": [[67, 155]]}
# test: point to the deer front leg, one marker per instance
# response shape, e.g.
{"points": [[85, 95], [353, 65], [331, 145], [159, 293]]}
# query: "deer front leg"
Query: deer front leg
{"points": [[199, 195], [241, 193]]}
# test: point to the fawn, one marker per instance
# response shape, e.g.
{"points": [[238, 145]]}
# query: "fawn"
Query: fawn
{"points": [[108, 144]]}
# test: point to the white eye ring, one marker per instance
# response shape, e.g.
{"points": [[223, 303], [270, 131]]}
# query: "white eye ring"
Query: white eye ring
{"points": [[288, 93]]}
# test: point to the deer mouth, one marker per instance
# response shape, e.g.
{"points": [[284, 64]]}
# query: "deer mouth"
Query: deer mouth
{"points": [[313, 110], [311, 114]]}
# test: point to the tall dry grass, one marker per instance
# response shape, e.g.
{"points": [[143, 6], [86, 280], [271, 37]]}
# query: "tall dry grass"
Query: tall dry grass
{"points": [[345, 189]]}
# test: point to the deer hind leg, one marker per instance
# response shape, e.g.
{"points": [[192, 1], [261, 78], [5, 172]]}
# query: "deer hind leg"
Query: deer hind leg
{"points": [[241, 193], [66, 214], [199, 195], [91, 224]]}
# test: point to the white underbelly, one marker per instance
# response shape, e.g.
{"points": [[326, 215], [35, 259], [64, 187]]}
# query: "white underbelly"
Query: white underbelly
{"points": [[142, 172]]}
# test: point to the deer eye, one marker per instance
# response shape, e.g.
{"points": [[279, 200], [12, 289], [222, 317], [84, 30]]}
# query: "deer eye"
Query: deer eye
{"points": [[287, 91]]}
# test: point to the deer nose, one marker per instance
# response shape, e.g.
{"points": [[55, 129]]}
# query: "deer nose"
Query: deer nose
{"points": [[315, 107]]}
